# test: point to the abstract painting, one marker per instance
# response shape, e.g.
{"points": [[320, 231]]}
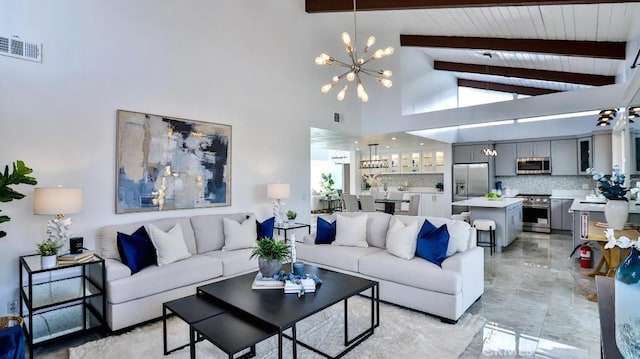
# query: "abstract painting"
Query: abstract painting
{"points": [[166, 163]]}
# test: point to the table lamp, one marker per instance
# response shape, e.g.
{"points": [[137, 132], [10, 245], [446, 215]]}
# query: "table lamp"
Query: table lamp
{"points": [[278, 192], [58, 201]]}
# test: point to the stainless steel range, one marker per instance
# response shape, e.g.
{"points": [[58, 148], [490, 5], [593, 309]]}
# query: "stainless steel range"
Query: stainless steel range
{"points": [[536, 213]]}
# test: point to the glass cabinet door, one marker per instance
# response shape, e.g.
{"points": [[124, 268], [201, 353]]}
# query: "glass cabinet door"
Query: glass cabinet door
{"points": [[394, 163]]}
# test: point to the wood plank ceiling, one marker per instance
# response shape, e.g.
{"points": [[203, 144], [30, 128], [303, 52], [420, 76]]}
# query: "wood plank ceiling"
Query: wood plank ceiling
{"points": [[521, 46]]}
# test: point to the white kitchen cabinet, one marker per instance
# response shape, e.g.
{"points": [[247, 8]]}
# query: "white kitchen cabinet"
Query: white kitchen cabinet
{"points": [[533, 149], [394, 163], [432, 205], [506, 159], [410, 162], [564, 157], [432, 161]]}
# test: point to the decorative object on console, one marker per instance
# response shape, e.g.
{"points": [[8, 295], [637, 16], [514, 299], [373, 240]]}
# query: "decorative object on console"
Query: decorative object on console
{"points": [[166, 163], [291, 216], [19, 175], [278, 192], [627, 290], [271, 254], [58, 201], [355, 65], [48, 250], [616, 211], [76, 245]]}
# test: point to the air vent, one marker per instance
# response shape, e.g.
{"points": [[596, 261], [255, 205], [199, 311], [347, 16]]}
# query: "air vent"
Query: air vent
{"points": [[21, 49]]}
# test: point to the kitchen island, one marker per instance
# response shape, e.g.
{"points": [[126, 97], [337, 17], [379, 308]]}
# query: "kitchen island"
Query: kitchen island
{"points": [[506, 212]]}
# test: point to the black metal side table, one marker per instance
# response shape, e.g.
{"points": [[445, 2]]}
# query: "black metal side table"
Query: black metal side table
{"points": [[287, 227], [61, 301]]}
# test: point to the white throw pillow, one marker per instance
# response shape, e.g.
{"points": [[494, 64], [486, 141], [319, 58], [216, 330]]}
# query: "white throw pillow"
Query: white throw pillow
{"points": [[170, 246], [402, 240], [239, 235], [459, 233], [351, 231]]}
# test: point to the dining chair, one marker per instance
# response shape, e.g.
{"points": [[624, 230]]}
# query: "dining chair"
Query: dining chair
{"points": [[350, 202], [367, 203], [396, 195], [414, 206]]}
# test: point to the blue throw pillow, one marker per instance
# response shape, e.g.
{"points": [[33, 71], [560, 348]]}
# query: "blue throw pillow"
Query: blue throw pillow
{"points": [[427, 227], [265, 229], [136, 250], [432, 246], [326, 231]]}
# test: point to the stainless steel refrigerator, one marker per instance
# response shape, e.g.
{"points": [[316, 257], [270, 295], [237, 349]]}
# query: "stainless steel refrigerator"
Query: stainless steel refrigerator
{"points": [[469, 180]]}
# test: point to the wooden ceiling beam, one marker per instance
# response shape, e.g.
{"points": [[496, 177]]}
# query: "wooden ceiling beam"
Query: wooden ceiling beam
{"points": [[319, 6], [494, 86], [545, 75], [596, 49]]}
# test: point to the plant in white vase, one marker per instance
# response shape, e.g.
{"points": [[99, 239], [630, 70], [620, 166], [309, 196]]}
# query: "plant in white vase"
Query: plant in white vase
{"points": [[616, 210]]}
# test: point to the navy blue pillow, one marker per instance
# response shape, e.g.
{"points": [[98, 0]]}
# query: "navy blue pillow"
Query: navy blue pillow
{"points": [[432, 246], [136, 250], [326, 231], [265, 229], [427, 227]]}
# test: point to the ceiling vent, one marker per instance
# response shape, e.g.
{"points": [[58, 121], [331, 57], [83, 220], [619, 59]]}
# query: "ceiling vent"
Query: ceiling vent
{"points": [[15, 47]]}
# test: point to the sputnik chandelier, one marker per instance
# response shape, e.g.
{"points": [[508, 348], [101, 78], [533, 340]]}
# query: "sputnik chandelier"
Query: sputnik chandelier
{"points": [[355, 65]]}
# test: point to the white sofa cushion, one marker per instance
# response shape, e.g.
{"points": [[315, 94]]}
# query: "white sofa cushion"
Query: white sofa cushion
{"points": [[239, 235], [170, 246], [209, 230], [235, 262], [341, 257], [377, 225], [351, 231], [460, 233], [402, 239], [152, 280], [415, 272]]}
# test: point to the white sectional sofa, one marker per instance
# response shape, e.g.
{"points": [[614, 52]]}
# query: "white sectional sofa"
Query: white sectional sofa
{"points": [[132, 299], [446, 291]]}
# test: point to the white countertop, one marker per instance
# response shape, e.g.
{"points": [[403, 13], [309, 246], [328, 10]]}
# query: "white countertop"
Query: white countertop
{"points": [[483, 202], [598, 207], [570, 194]]}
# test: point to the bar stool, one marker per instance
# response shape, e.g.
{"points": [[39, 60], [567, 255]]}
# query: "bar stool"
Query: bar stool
{"points": [[486, 225]]}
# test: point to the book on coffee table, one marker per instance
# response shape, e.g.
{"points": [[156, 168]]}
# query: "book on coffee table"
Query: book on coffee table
{"points": [[266, 283], [308, 284]]}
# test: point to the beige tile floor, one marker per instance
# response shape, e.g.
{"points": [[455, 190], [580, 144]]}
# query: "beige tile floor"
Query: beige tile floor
{"points": [[534, 302]]}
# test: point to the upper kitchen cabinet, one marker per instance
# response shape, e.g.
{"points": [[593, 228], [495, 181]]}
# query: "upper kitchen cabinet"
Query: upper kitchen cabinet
{"points": [[506, 159], [533, 149], [564, 155], [469, 154], [433, 161], [584, 154], [602, 152], [410, 162]]}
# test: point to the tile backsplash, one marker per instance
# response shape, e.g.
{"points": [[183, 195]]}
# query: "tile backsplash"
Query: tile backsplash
{"points": [[544, 184], [411, 180]]}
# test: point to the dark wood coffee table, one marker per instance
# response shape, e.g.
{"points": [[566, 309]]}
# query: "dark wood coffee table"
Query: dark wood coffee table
{"points": [[273, 308]]}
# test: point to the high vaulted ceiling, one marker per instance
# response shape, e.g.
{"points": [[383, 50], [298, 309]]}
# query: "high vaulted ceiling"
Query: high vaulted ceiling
{"points": [[520, 46]]}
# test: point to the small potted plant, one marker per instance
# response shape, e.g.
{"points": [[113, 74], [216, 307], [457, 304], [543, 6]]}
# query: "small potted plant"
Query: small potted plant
{"points": [[291, 216], [271, 254], [48, 250], [440, 186]]}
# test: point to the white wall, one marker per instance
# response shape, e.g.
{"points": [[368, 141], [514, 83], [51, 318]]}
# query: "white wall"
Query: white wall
{"points": [[246, 63]]}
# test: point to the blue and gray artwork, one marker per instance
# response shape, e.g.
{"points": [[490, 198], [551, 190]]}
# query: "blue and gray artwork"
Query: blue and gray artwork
{"points": [[168, 163]]}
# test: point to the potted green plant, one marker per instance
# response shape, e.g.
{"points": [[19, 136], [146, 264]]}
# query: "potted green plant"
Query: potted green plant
{"points": [[271, 254], [48, 250], [291, 216], [19, 175], [327, 183], [440, 186]]}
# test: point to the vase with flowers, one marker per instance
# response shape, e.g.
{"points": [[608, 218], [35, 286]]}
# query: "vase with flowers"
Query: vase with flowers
{"points": [[373, 181], [627, 289], [616, 211]]}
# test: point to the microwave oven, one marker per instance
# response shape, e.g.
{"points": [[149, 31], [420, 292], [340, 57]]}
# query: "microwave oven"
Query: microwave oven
{"points": [[533, 166]]}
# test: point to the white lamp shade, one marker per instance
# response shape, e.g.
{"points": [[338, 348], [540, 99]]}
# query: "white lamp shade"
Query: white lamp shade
{"points": [[278, 191], [57, 200]]}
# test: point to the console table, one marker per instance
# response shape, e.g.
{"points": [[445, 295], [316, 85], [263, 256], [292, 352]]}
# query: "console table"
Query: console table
{"points": [[607, 310]]}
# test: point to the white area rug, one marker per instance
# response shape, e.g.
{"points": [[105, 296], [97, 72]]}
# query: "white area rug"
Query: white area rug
{"points": [[402, 334]]}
